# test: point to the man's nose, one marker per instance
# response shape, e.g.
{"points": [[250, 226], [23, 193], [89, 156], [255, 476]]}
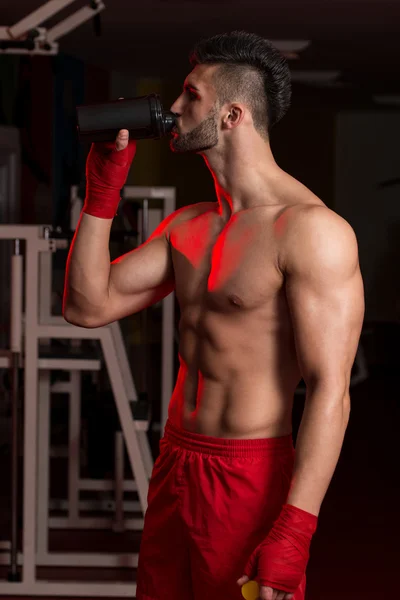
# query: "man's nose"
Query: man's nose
{"points": [[177, 107]]}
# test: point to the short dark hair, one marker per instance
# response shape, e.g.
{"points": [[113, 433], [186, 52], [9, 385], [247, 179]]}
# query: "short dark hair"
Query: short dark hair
{"points": [[251, 69]]}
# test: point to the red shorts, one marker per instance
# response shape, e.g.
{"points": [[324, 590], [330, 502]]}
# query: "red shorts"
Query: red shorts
{"points": [[211, 502]]}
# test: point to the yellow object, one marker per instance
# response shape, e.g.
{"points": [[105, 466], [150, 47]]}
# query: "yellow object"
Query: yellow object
{"points": [[250, 590]]}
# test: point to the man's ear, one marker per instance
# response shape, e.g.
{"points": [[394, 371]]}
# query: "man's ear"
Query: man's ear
{"points": [[233, 116]]}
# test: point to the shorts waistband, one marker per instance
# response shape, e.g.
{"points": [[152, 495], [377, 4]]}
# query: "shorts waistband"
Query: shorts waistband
{"points": [[244, 448]]}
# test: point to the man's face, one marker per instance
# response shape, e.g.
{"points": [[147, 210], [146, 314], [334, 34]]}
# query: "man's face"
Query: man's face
{"points": [[197, 122]]}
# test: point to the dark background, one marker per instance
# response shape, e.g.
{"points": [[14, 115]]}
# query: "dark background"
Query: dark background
{"points": [[340, 138]]}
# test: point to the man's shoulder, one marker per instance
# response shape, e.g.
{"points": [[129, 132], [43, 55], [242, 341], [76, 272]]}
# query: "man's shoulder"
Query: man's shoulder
{"points": [[187, 213], [193, 210], [304, 217], [313, 231]]}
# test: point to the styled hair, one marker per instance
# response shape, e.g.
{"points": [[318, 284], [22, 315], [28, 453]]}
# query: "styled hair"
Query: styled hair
{"points": [[250, 69]]}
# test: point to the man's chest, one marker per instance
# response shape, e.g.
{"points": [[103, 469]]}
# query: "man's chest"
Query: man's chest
{"points": [[225, 265]]}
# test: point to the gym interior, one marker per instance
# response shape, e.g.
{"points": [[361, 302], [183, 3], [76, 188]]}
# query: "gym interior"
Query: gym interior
{"points": [[82, 411]]}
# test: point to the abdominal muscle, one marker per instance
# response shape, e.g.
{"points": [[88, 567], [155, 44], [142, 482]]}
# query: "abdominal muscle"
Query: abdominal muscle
{"points": [[235, 380]]}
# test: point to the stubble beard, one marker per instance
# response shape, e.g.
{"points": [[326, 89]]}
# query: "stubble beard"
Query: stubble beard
{"points": [[201, 138]]}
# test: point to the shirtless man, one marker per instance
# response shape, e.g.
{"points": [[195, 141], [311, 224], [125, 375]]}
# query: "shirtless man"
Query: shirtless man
{"points": [[270, 291]]}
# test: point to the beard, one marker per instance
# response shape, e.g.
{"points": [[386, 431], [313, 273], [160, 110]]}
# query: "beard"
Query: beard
{"points": [[201, 138]]}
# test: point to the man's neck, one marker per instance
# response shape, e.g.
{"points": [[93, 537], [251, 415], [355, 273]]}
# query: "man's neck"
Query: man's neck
{"points": [[244, 176]]}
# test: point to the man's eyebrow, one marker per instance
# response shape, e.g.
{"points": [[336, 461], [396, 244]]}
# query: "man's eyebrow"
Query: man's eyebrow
{"points": [[190, 86]]}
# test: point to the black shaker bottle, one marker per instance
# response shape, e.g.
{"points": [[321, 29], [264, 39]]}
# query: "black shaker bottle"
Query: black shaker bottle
{"points": [[144, 117]]}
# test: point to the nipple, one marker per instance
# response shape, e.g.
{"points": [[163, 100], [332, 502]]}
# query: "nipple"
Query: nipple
{"points": [[235, 300], [250, 590]]}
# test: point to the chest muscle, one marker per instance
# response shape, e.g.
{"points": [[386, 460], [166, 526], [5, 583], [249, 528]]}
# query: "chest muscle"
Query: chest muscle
{"points": [[231, 266]]}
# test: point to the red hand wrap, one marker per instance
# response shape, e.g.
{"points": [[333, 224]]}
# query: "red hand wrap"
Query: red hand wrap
{"points": [[280, 561], [106, 173]]}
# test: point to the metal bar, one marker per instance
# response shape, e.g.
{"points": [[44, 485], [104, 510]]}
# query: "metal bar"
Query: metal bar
{"points": [[80, 589], [168, 324], [45, 286], [22, 232], [74, 445], [17, 294], [145, 221], [145, 452], [14, 571], [86, 559], [44, 460], [168, 195], [86, 523], [105, 485], [54, 320], [105, 505], [63, 364], [69, 364], [118, 524], [15, 343], [74, 21], [144, 350], [123, 361], [38, 16], [70, 332], [53, 49], [126, 420], [31, 411]]}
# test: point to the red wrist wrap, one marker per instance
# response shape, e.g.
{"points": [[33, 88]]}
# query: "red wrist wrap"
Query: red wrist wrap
{"points": [[106, 173], [280, 561]]}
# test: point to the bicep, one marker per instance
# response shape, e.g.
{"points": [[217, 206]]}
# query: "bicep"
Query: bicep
{"points": [[325, 295], [140, 278]]}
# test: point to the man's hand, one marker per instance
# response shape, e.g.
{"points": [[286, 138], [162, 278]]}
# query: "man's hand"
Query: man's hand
{"points": [[279, 562], [267, 593], [107, 168]]}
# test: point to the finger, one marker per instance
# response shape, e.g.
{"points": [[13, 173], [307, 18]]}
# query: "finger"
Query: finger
{"points": [[266, 593], [122, 139], [288, 597], [281, 596], [242, 580]]}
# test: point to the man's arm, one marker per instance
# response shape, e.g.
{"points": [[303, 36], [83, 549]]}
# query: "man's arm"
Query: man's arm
{"points": [[98, 292], [326, 300]]}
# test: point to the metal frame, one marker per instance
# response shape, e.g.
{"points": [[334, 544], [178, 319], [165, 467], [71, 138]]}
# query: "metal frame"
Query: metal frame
{"points": [[9, 203], [37, 393], [27, 37], [168, 194]]}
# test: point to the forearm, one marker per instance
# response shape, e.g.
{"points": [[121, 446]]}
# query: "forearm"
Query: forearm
{"points": [[318, 447], [88, 269]]}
